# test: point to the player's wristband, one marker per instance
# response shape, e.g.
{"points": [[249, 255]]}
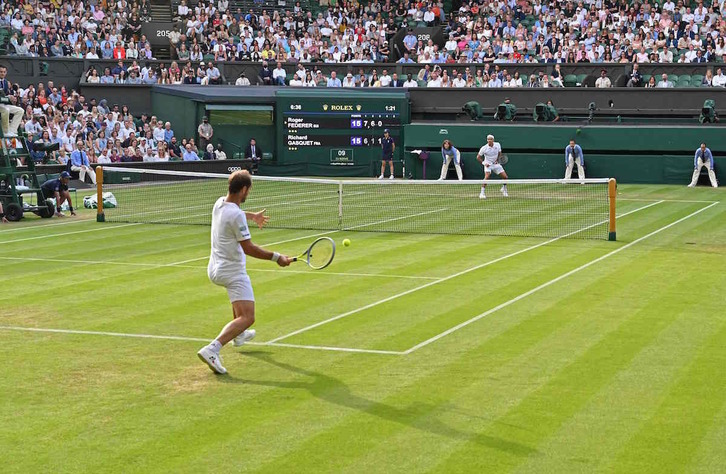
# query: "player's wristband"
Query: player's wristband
{"points": [[70, 208], [58, 209], [275, 256]]}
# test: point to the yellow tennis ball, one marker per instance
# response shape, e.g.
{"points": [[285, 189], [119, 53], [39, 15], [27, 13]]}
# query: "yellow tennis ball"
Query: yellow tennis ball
{"points": [[346, 242]]}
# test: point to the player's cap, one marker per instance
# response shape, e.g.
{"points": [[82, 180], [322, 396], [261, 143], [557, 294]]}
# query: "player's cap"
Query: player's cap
{"points": [[490, 136], [386, 131], [205, 119], [65, 174]]}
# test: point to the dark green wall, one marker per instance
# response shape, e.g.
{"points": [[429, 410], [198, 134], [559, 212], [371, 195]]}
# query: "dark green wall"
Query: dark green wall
{"points": [[629, 154], [181, 112]]}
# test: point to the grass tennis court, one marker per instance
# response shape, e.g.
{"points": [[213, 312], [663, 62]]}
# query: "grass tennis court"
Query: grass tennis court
{"points": [[410, 353]]}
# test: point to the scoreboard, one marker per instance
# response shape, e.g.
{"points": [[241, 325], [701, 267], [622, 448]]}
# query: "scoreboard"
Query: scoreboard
{"points": [[338, 128]]}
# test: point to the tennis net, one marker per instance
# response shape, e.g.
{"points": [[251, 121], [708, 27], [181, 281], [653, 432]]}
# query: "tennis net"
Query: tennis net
{"points": [[533, 208]]}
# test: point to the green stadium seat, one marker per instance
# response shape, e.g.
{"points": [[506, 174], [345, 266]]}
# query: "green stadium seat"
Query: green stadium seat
{"points": [[673, 78], [696, 80], [570, 80], [646, 78], [421, 83], [684, 81], [581, 78]]}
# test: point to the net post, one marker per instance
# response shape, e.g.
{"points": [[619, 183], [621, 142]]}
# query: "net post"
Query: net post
{"points": [[340, 205], [612, 195], [100, 216]]}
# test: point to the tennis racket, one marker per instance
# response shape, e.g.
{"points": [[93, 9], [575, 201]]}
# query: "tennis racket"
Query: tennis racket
{"points": [[503, 159], [319, 254]]}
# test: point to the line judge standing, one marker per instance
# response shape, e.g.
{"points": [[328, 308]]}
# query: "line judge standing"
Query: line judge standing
{"points": [[573, 154], [703, 157], [449, 153]]}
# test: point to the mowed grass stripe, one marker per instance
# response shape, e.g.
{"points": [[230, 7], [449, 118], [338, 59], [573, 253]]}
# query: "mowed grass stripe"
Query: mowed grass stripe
{"points": [[672, 436], [471, 374], [710, 456], [630, 399]]}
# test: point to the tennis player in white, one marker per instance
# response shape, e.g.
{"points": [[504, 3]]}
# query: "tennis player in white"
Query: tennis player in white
{"points": [[489, 157], [231, 241]]}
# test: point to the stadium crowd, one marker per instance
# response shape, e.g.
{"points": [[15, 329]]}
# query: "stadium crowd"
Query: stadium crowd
{"points": [[91, 131], [481, 31], [492, 33]]}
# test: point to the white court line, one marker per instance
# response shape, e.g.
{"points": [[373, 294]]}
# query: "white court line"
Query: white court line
{"points": [[552, 282], [194, 339], [668, 200], [436, 282], [197, 267], [43, 226], [48, 236]]}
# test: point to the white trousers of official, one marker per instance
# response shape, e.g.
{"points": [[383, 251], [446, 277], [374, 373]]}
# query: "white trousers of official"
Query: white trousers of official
{"points": [[10, 127], [571, 163], [445, 168], [697, 173], [83, 171]]}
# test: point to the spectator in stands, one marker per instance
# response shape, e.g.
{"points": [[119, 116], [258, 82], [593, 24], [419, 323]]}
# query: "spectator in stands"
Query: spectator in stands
{"points": [[107, 77], [664, 82], [7, 109], [719, 80], [174, 149], [410, 83], [349, 81], [333, 81], [651, 83], [205, 132], [242, 80], [603, 82], [279, 75], [209, 153], [189, 154], [707, 80], [80, 163], [253, 151], [634, 78], [213, 75], [266, 74], [219, 153]]}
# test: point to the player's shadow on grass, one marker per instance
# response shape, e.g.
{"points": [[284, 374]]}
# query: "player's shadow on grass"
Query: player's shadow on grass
{"points": [[417, 416]]}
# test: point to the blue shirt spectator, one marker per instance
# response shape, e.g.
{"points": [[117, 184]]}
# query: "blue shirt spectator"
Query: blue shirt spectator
{"points": [[334, 81], [189, 154], [79, 158]]}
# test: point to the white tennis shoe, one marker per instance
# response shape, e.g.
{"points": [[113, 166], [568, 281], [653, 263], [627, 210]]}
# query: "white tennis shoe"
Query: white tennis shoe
{"points": [[212, 359], [390, 177], [504, 192], [482, 195], [248, 335], [380, 177]]}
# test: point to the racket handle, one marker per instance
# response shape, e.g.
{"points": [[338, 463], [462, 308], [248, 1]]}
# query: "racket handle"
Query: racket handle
{"points": [[294, 259]]}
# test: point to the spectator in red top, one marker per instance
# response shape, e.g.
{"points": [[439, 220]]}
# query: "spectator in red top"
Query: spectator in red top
{"points": [[119, 52]]}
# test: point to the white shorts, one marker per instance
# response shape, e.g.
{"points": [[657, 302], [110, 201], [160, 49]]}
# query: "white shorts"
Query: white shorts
{"points": [[239, 288], [495, 168]]}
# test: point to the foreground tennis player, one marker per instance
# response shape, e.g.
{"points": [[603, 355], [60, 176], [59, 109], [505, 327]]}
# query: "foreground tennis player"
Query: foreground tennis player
{"points": [[231, 241]]}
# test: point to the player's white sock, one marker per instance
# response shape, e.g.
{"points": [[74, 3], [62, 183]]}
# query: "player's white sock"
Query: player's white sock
{"points": [[215, 345]]}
